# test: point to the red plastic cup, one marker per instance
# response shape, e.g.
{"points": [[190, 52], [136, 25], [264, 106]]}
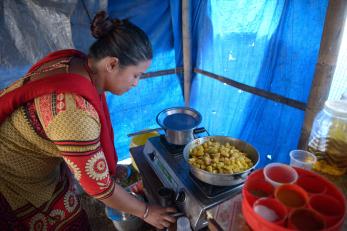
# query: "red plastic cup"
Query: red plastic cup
{"points": [[257, 188], [278, 174], [292, 196], [328, 207], [271, 210], [311, 184], [305, 219]]}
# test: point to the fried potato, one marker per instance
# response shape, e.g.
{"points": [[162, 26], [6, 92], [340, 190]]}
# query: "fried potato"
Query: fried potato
{"points": [[215, 157]]}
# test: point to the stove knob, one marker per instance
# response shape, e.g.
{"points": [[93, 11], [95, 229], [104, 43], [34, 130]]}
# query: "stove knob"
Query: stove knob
{"points": [[181, 197], [151, 155]]}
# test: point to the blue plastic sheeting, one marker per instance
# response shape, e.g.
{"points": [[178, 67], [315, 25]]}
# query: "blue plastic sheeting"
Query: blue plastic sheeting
{"points": [[53, 25], [269, 134], [137, 109], [271, 45], [9, 75]]}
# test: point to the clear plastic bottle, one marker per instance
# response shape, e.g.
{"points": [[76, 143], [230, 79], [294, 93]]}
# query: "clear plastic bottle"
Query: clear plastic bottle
{"points": [[328, 139]]}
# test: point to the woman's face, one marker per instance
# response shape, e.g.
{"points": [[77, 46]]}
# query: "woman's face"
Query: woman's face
{"points": [[119, 80]]}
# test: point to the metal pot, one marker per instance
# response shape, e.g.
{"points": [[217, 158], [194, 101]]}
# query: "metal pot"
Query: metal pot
{"points": [[180, 124], [124, 221], [219, 178]]}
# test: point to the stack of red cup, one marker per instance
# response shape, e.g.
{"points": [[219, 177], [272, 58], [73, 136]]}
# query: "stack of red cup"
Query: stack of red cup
{"points": [[276, 198]]}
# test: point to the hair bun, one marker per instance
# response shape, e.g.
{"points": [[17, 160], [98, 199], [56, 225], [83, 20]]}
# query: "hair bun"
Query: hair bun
{"points": [[118, 23], [101, 25]]}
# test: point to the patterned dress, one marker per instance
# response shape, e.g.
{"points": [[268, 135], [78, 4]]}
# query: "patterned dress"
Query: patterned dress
{"points": [[37, 142]]}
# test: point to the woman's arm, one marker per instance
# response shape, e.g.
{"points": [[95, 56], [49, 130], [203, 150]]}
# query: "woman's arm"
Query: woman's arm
{"points": [[75, 131]]}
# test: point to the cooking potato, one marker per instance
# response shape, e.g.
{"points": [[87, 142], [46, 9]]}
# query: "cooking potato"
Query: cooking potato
{"points": [[215, 157]]}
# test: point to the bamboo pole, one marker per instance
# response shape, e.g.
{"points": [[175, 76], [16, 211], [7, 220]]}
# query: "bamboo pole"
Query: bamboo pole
{"points": [[177, 70], [325, 67], [187, 58]]}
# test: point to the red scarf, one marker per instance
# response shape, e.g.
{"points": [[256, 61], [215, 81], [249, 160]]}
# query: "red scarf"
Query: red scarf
{"points": [[72, 83]]}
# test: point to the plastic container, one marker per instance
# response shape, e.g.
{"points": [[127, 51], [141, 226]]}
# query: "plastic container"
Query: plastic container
{"points": [[183, 224], [306, 219], [302, 159], [139, 140], [258, 188], [292, 196], [311, 185], [328, 138], [278, 174], [257, 222], [328, 207], [271, 210]]}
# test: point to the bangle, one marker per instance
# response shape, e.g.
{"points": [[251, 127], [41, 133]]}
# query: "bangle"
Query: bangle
{"points": [[145, 215]]}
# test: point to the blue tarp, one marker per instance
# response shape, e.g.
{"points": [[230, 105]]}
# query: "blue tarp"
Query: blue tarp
{"points": [[269, 44], [272, 45], [137, 109]]}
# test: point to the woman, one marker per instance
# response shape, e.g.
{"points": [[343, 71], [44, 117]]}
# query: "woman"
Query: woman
{"points": [[56, 116]]}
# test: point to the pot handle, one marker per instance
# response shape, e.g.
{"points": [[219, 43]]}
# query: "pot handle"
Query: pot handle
{"points": [[200, 130], [244, 176]]}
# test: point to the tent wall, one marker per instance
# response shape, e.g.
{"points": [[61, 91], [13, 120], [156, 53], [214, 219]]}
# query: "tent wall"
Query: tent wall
{"points": [[55, 25], [31, 29], [268, 45], [137, 109]]}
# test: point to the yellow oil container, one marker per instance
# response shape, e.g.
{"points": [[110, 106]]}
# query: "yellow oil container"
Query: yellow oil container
{"points": [[139, 140]]}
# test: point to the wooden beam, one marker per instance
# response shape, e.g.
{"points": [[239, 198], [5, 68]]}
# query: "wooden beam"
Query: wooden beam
{"points": [[253, 90], [325, 67], [162, 72], [187, 58]]}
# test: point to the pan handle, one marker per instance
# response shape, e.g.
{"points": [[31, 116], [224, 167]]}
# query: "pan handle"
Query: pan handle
{"points": [[200, 130], [244, 175]]}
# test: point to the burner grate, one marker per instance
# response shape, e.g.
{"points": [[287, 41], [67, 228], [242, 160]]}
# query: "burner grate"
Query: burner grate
{"points": [[175, 150], [175, 174], [212, 190]]}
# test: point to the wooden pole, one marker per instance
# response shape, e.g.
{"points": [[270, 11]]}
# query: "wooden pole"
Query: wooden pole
{"points": [[325, 68], [187, 58]]}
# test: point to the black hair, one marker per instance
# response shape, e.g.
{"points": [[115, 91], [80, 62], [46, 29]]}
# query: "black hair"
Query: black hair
{"points": [[120, 39]]}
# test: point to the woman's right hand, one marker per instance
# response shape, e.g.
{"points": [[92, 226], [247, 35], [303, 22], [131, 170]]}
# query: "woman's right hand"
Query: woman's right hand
{"points": [[159, 217]]}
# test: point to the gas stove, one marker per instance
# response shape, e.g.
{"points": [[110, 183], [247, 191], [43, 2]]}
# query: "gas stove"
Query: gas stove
{"points": [[192, 196]]}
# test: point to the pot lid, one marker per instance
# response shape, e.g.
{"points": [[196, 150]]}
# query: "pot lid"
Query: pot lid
{"points": [[179, 118]]}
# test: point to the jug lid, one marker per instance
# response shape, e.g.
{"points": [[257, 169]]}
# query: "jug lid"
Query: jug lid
{"points": [[336, 107]]}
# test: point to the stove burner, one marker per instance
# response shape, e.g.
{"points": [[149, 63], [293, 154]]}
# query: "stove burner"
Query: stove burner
{"points": [[173, 149], [212, 190], [194, 197]]}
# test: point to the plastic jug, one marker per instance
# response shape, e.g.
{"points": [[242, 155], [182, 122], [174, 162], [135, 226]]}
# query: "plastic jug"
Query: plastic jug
{"points": [[328, 138]]}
